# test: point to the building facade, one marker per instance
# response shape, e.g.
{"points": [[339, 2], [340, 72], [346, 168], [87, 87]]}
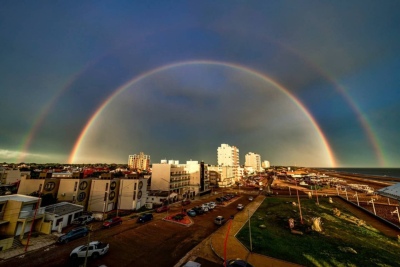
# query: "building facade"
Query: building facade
{"points": [[132, 192], [171, 177], [18, 215], [229, 156], [139, 162], [253, 160]]}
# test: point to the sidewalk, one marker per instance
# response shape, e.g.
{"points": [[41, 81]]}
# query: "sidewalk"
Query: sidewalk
{"points": [[38, 242], [235, 249]]}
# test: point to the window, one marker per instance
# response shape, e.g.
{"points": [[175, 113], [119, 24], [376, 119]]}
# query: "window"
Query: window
{"points": [[106, 186], [76, 186]]}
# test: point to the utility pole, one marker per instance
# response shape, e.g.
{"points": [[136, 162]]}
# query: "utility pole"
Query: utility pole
{"points": [[33, 222], [87, 247]]}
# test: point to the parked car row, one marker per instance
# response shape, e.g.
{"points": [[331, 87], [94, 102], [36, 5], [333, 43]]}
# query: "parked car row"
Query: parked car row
{"points": [[226, 197]]}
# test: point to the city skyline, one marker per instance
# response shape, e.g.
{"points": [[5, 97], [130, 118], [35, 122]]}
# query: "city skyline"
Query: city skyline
{"points": [[310, 84]]}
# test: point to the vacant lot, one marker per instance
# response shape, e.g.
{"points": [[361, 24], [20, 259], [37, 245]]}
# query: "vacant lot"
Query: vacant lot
{"points": [[341, 243]]}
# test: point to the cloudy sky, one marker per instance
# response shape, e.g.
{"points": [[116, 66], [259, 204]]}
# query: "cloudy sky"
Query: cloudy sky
{"points": [[307, 83]]}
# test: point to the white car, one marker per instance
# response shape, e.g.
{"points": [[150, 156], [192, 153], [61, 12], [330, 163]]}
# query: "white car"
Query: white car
{"points": [[96, 248], [240, 207], [205, 207], [251, 198]]}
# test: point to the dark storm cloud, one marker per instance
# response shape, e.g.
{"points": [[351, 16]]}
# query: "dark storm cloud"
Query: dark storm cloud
{"points": [[95, 48]]}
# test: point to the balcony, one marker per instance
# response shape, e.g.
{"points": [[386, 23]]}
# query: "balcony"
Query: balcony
{"points": [[30, 214]]}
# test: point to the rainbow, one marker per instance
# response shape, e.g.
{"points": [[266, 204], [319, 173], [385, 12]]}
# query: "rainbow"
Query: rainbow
{"points": [[120, 89], [38, 121]]}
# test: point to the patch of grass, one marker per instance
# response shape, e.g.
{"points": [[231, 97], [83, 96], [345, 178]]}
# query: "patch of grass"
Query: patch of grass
{"points": [[341, 243]]}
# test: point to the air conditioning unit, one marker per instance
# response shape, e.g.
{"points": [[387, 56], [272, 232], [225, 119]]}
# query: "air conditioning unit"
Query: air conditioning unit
{"points": [[63, 194]]}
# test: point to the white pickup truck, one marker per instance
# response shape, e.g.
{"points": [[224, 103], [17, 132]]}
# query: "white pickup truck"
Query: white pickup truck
{"points": [[96, 249]]}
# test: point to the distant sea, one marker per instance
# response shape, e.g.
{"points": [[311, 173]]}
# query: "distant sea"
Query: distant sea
{"points": [[379, 172]]}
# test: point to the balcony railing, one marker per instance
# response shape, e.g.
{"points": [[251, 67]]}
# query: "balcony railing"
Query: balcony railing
{"points": [[29, 214]]}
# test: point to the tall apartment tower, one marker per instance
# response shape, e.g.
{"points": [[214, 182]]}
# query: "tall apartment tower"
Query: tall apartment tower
{"points": [[139, 162], [228, 155], [253, 160]]}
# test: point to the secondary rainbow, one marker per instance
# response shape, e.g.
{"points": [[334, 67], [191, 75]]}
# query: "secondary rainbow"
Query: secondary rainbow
{"points": [[120, 89]]}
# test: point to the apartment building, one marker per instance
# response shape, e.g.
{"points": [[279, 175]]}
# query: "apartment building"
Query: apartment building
{"points": [[103, 194], [199, 180], [132, 192], [224, 176], [18, 214], [228, 156], [253, 160], [41, 185], [139, 162], [171, 177], [73, 188]]}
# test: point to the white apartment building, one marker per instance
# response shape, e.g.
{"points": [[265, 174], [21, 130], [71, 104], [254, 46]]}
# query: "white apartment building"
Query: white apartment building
{"points": [[139, 162], [253, 160], [199, 180], [171, 177], [229, 156], [265, 164]]}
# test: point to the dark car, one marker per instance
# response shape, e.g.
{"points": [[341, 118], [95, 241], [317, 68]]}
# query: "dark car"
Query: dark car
{"points": [[162, 209], [186, 202], [237, 263], [198, 210], [191, 213], [145, 218], [112, 222], [73, 234]]}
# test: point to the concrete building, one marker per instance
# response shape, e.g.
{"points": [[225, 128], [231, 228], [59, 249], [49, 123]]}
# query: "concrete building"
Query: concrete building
{"points": [[199, 181], [253, 160], [229, 156], [103, 194], [9, 176], [41, 185], [132, 192], [74, 188], [171, 177], [139, 162], [62, 214], [265, 164], [18, 215], [223, 175]]}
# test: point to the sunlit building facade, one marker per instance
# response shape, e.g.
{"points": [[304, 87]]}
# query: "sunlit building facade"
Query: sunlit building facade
{"points": [[139, 162], [228, 156], [253, 160]]}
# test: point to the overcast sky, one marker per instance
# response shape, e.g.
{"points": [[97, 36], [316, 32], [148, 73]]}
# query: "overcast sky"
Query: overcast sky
{"points": [[308, 83]]}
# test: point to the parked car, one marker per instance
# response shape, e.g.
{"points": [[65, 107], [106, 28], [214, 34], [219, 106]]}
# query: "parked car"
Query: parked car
{"points": [[162, 209], [251, 198], [191, 213], [198, 210], [205, 207], [237, 263], [96, 248], [112, 222], [186, 202], [145, 218], [219, 220], [82, 220], [73, 234], [240, 207]]}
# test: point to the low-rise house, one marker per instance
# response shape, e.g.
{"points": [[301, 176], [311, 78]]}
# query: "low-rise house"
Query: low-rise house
{"points": [[19, 214], [62, 214]]}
